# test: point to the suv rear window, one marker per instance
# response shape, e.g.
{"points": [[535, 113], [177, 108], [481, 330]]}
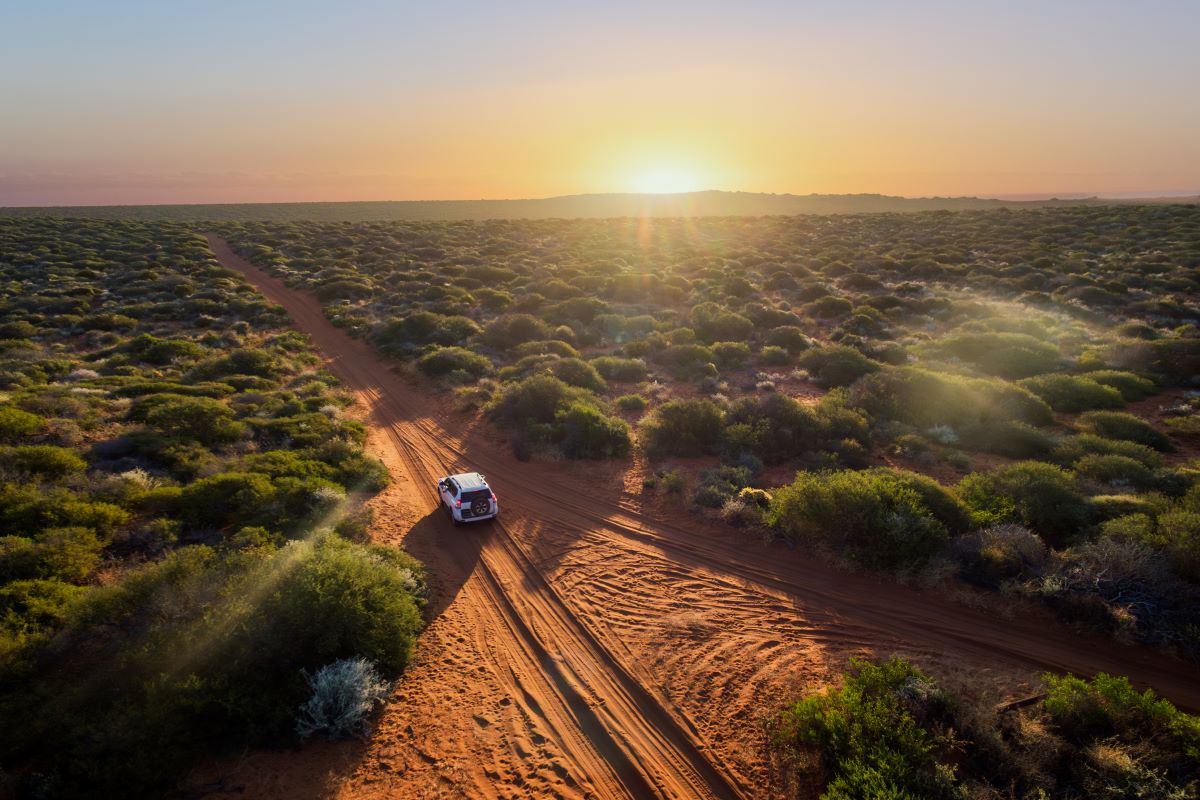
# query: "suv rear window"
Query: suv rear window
{"points": [[470, 497]]}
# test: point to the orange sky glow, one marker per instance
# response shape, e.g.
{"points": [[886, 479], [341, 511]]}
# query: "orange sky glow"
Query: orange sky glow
{"points": [[376, 101]]}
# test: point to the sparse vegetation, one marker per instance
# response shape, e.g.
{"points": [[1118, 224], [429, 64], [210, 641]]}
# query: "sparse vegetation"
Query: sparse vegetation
{"points": [[889, 730], [161, 427]]}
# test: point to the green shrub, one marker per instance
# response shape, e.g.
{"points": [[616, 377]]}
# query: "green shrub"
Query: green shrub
{"points": [[204, 419], [44, 460], [682, 428], [552, 347], [718, 485], [536, 399], [1032, 493], [886, 732], [829, 307], [29, 607], [1008, 355], [223, 668], [225, 499], [1115, 470], [1131, 386], [508, 331], [1007, 438], [731, 355], [1110, 708], [1179, 532], [1072, 448], [789, 337], [712, 323], [588, 433], [243, 361], [65, 554], [1119, 425], [444, 360], [620, 370], [991, 556], [924, 399], [836, 365], [578, 373], [772, 356], [881, 517], [1175, 361], [777, 427], [631, 402], [26, 511], [1073, 393], [16, 424]]}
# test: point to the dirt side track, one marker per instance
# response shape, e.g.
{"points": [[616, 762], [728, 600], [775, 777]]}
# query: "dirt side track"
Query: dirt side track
{"points": [[584, 646]]}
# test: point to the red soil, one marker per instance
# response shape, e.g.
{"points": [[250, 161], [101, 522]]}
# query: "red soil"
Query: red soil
{"points": [[588, 645]]}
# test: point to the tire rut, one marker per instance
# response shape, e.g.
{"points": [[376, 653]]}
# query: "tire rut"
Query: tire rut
{"points": [[633, 745], [611, 716]]}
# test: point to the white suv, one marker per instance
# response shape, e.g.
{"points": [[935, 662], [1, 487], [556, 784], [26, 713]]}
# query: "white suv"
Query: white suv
{"points": [[467, 497]]}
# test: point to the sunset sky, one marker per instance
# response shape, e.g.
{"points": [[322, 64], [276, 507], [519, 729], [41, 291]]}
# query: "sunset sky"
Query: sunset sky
{"points": [[188, 101]]}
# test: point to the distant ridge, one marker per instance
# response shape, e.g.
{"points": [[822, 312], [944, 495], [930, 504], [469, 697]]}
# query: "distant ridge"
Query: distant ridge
{"points": [[690, 204]]}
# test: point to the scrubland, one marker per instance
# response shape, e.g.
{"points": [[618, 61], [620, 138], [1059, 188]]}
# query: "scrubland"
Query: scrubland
{"points": [[181, 540], [992, 404], [993, 400]]}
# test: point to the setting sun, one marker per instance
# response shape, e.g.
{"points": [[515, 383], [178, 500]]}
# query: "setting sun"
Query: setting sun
{"points": [[666, 181]]}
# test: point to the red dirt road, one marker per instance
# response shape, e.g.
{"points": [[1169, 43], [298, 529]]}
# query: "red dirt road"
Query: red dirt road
{"points": [[587, 646]]}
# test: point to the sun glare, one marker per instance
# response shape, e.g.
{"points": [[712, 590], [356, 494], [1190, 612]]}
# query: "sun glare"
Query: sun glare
{"points": [[665, 182]]}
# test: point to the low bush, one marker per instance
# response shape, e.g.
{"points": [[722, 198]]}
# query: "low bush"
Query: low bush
{"points": [[1109, 707], [1073, 393], [777, 427], [836, 365], [588, 433], [886, 731], [731, 355], [445, 360], [1031, 493], [1072, 448], [717, 486], [577, 372], [553, 347], [1115, 471], [1119, 425], [1007, 355], [923, 399], [682, 428], [620, 370], [16, 424], [223, 667], [1132, 387], [1007, 438], [42, 460], [534, 400], [631, 402], [509, 330], [343, 695], [204, 419], [1126, 588], [880, 517], [999, 553], [789, 337], [226, 499]]}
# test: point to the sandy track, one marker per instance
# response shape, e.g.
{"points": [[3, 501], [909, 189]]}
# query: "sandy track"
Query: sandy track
{"points": [[586, 646]]}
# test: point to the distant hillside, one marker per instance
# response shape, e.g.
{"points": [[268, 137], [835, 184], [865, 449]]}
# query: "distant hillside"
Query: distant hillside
{"points": [[691, 204]]}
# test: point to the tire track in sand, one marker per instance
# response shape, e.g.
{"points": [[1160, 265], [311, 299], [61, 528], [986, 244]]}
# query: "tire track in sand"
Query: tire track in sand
{"points": [[619, 737], [616, 573]]}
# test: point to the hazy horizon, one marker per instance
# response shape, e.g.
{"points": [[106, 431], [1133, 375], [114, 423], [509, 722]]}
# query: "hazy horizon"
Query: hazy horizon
{"points": [[183, 103]]}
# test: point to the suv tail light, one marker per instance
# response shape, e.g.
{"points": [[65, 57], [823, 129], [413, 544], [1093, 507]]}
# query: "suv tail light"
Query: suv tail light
{"points": [[493, 497], [458, 503]]}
